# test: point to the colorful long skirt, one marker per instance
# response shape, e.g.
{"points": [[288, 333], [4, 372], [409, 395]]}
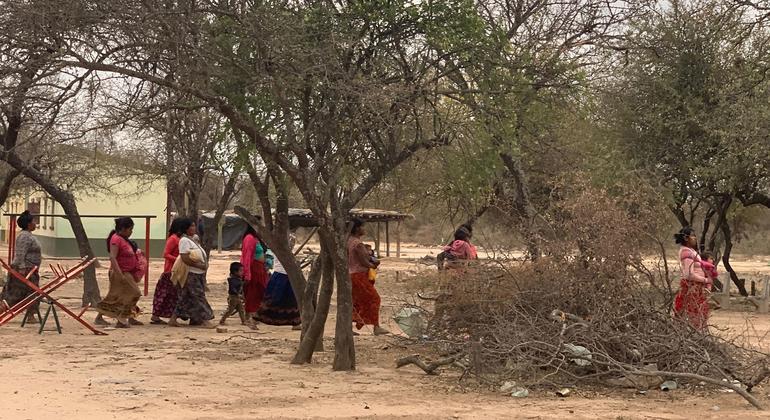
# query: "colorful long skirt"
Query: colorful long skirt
{"points": [[279, 305], [15, 291], [691, 304], [366, 300], [254, 289], [122, 297], [192, 303], [165, 297]]}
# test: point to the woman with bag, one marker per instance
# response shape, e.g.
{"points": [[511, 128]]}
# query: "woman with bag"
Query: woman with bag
{"points": [[189, 274], [127, 267]]}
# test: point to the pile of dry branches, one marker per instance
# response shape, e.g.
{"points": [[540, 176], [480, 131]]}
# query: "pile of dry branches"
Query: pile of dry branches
{"points": [[588, 312]]}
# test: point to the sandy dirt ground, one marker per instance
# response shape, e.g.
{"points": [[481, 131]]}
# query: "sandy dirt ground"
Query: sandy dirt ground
{"points": [[156, 372]]}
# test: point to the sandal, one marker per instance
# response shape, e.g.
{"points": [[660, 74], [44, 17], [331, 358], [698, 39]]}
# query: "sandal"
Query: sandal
{"points": [[132, 321], [121, 325], [158, 322], [100, 321]]}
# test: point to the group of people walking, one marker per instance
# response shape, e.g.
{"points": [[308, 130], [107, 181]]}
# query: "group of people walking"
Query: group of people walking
{"points": [[259, 296]]}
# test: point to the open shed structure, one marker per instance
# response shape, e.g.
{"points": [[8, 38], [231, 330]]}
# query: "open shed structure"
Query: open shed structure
{"points": [[232, 227], [305, 218]]}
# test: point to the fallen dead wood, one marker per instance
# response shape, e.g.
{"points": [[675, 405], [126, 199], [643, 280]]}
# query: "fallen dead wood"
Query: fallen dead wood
{"points": [[429, 368], [724, 384]]}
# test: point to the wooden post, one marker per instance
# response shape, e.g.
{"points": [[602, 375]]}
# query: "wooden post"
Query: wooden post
{"points": [[219, 233], [11, 238], [398, 239], [723, 298], [387, 239], [764, 305], [377, 242], [147, 249]]}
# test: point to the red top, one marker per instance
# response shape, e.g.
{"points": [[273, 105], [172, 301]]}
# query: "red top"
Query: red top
{"points": [[170, 253], [248, 247], [126, 258]]}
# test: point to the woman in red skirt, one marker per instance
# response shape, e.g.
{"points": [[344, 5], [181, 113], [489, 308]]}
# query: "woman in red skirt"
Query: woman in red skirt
{"points": [[366, 300], [691, 302], [253, 254]]}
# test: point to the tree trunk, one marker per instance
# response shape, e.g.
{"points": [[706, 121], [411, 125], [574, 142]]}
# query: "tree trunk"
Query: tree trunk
{"points": [[523, 207], [344, 348], [227, 194], [6, 184], [313, 334], [740, 283], [91, 294], [706, 226]]}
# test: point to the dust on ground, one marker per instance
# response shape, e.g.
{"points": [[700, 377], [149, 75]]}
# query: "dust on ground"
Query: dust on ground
{"points": [[187, 373]]}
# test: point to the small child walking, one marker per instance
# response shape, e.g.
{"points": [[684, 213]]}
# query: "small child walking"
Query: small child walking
{"points": [[235, 295]]}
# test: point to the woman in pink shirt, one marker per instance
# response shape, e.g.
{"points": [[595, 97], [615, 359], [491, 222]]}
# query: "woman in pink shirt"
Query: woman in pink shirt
{"points": [[459, 251], [691, 302], [127, 266]]}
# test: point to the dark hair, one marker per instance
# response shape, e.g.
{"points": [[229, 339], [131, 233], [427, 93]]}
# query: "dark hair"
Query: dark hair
{"points": [[176, 227], [234, 267], [24, 220], [120, 224], [462, 234], [249, 231], [356, 224], [468, 227], [183, 223], [706, 255], [681, 237]]}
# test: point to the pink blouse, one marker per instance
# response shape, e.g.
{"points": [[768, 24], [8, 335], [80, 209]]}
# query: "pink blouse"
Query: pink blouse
{"points": [[127, 260], [691, 265], [463, 250]]}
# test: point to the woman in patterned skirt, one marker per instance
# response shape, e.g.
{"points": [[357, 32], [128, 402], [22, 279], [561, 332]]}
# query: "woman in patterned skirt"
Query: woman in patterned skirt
{"points": [[26, 256]]}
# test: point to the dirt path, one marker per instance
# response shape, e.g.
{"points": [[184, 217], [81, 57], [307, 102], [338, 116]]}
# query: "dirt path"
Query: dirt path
{"points": [[163, 373]]}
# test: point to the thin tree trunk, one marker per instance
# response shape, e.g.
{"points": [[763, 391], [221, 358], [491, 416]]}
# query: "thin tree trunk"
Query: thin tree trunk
{"points": [[741, 284], [706, 226], [91, 294], [227, 195], [344, 348], [314, 334], [525, 211], [6, 184]]}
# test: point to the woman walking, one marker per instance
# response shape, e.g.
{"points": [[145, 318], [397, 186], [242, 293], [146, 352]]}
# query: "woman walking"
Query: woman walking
{"points": [[279, 305], [165, 297], [253, 257], [366, 300], [192, 302], [127, 267], [691, 302], [26, 256]]}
